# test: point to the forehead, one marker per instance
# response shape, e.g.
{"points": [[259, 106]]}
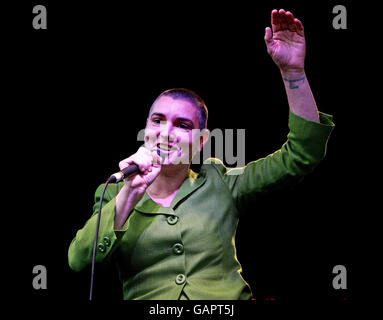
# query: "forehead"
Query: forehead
{"points": [[175, 108]]}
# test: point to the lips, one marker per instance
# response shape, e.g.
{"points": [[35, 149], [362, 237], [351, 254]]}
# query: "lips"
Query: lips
{"points": [[166, 147]]}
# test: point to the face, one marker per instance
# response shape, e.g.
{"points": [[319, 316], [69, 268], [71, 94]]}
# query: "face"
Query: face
{"points": [[173, 128]]}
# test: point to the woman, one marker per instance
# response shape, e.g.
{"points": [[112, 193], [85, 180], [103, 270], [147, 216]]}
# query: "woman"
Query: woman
{"points": [[171, 231]]}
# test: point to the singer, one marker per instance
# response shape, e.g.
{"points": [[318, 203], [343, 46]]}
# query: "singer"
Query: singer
{"points": [[171, 231]]}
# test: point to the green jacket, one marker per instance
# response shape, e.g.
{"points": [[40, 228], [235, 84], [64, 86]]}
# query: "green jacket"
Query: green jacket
{"points": [[190, 246]]}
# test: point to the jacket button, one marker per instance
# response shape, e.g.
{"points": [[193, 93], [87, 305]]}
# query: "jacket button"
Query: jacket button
{"points": [[172, 220], [107, 241], [178, 248], [180, 279], [101, 247]]}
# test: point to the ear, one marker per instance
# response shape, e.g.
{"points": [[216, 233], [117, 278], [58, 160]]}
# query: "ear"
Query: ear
{"points": [[204, 137]]}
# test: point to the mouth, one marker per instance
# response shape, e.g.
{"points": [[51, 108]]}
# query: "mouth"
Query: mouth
{"points": [[166, 148]]}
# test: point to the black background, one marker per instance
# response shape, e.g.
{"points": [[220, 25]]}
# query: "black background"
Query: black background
{"points": [[81, 90]]}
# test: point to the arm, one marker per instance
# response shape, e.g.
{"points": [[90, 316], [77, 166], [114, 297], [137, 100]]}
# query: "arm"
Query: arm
{"points": [[81, 248], [304, 149], [309, 129], [287, 46], [118, 204], [135, 187]]}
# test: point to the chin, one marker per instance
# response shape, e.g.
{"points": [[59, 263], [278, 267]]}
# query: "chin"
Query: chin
{"points": [[175, 161]]}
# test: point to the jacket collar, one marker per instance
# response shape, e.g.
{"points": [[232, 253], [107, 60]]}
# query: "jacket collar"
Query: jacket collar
{"points": [[191, 183]]}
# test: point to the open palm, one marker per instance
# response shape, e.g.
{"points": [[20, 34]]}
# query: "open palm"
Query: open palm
{"points": [[286, 41]]}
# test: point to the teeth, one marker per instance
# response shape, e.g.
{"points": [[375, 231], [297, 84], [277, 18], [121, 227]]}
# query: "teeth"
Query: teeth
{"points": [[164, 147]]}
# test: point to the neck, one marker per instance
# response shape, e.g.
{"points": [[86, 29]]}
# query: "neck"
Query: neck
{"points": [[168, 181]]}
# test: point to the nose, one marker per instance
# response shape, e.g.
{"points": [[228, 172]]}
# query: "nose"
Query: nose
{"points": [[166, 132]]}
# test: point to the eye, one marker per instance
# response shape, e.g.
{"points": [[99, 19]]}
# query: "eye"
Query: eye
{"points": [[156, 120], [183, 126]]}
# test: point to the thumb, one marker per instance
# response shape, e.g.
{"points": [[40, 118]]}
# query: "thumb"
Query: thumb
{"points": [[268, 36]]}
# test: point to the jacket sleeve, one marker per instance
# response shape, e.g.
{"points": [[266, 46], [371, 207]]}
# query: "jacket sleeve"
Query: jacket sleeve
{"points": [[299, 155], [81, 248]]}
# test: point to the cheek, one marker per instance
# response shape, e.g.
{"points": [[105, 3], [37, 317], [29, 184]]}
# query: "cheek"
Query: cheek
{"points": [[151, 135], [196, 138], [190, 140]]}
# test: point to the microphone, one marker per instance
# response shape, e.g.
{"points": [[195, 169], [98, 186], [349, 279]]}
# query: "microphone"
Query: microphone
{"points": [[129, 171]]}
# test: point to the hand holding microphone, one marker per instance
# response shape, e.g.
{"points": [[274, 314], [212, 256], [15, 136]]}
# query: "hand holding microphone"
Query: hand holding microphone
{"points": [[144, 163], [138, 172]]}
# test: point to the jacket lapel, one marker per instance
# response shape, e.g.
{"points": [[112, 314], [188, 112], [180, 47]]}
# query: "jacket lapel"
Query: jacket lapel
{"points": [[191, 183]]}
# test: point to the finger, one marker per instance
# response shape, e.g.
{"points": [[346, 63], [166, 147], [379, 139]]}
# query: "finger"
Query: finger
{"points": [[275, 22], [290, 21], [156, 159], [290, 14], [145, 159], [146, 163], [299, 27], [283, 20], [142, 168], [136, 159], [124, 163]]}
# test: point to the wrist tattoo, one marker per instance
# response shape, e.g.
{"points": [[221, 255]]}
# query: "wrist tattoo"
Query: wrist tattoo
{"points": [[291, 82]]}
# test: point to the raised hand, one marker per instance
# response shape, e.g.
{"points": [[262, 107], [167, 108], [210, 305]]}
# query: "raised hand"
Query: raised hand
{"points": [[286, 41]]}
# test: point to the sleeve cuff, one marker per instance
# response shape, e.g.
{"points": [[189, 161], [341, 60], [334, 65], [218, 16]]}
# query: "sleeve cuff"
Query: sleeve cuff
{"points": [[108, 237], [311, 129]]}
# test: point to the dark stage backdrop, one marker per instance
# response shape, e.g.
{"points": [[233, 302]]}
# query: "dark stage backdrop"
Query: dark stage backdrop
{"points": [[81, 91]]}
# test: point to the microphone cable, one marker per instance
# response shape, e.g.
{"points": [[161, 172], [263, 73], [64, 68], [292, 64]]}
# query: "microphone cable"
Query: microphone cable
{"points": [[96, 239], [112, 178]]}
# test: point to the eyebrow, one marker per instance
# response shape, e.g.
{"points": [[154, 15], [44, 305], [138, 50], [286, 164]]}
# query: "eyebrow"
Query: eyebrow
{"points": [[178, 118]]}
